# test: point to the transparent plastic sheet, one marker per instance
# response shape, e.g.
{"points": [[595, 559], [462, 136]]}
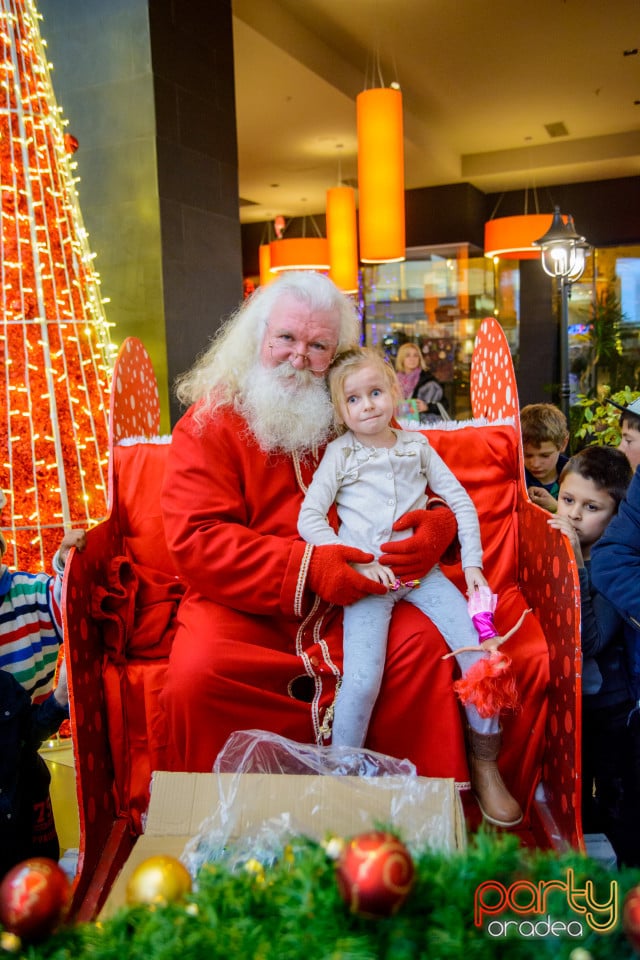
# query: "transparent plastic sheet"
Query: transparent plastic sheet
{"points": [[258, 751], [258, 816]]}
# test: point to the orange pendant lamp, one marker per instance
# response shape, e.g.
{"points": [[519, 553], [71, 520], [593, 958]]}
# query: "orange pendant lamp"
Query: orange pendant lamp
{"points": [[381, 175], [299, 253], [264, 262], [511, 238], [342, 238]]}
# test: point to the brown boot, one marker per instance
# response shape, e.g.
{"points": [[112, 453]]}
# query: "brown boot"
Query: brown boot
{"points": [[495, 801]]}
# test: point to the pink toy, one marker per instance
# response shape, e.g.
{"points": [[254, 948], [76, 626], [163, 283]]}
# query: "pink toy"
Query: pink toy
{"points": [[489, 684]]}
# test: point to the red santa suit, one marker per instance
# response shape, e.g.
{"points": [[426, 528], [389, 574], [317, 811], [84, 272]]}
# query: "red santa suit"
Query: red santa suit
{"points": [[254, 649]]}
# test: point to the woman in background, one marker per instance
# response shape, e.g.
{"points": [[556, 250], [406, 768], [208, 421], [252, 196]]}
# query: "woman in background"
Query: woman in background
{"points": [[416, 381]]}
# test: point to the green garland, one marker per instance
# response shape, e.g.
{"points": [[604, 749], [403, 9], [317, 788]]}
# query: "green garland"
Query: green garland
{"points": [[293, 911]]}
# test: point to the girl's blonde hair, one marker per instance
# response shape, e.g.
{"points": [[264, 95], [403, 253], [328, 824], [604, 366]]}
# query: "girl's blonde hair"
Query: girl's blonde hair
{"points": [[403, 351], [351, 361]]}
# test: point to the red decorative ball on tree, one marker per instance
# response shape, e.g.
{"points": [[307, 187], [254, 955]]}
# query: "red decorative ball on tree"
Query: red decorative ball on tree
{"points": [[34, 897], [375, 874], [631, 917], [70, 143]]}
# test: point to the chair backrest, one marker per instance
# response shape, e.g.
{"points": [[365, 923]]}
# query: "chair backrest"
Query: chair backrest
{"points": [[494, 393], [105, 835], [134, 408]]}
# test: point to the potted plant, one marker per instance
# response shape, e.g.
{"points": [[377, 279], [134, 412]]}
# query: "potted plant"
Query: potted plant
{"points": [[599, 421]]}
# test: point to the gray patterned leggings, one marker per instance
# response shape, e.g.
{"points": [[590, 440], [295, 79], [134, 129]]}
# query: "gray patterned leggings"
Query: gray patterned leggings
{"points": [[366, 624]]}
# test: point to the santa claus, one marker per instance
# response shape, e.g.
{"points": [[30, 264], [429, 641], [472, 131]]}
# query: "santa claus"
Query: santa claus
{"points": [[259, 641]]}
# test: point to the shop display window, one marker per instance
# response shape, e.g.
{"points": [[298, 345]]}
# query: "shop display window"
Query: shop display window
{"points": [[438, 297], [604, 322]]}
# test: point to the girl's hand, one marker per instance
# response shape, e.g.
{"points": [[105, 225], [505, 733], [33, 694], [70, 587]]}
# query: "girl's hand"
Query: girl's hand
{"points": [[474, 578], [377, 572], [565, 526]]}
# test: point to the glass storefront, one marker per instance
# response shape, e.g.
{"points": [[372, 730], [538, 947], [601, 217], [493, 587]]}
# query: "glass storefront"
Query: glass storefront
{"points": [[604, 322], [438, 297]]}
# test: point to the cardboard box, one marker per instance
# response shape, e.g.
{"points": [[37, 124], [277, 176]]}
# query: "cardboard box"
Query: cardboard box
{"points": [[423, 809]]}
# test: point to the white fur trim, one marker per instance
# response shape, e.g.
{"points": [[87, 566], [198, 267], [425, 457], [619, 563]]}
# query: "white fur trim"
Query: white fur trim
{"points": [[131, 441], [457, 424]]}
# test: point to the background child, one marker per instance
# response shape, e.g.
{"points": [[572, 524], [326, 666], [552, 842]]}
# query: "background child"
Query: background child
{"points": [[30, 618], [30, 639], [27, 826], [545, 435], [616, 573], [630, 433], [377, 476], [616, 558], [592, 485]]}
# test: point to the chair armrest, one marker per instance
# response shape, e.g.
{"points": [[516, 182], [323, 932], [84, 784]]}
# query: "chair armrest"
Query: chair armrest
{"points": [[84, 651]]}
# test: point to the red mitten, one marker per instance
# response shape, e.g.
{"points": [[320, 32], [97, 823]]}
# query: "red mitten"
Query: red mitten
{"points": [[433, 531], [332, 577]]}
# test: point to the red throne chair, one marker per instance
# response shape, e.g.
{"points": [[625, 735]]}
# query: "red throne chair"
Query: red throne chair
{"points": [[121, 596]]}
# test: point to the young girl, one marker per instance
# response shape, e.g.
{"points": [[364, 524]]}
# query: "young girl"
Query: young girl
{"points": [[376, 474]]}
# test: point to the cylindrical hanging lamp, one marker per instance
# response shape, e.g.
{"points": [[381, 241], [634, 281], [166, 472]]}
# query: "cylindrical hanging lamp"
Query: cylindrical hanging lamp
{"points": [[299, 253], [381, 175], [511, 238], [342, 238], [264, 261]]}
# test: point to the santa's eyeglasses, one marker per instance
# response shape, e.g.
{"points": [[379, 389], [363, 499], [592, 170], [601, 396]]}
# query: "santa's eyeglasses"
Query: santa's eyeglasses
{"points": [[317, 356]]}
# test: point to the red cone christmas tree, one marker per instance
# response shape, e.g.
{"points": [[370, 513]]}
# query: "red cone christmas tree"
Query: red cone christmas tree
{"points": [[54, 342]]}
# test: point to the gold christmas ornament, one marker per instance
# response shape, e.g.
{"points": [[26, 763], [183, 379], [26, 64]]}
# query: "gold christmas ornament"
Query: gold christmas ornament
{"points": [[10, 942], [158, 880]]}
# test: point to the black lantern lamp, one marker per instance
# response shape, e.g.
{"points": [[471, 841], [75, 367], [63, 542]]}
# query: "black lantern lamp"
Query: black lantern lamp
{"points": [[563, 256], [563, 249]]}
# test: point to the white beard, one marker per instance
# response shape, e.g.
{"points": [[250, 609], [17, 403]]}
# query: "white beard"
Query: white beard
{"points": [[287, 410]]}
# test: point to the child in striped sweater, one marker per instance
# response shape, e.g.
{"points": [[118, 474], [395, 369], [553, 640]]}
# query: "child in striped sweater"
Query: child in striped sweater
{"points": [[30, 619], [30, 638]]}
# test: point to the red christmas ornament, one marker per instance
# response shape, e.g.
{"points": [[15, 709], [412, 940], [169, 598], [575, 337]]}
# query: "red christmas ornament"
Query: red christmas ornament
{"points": [[631, 917], [71, 143], [34, 897], [375, 874]]}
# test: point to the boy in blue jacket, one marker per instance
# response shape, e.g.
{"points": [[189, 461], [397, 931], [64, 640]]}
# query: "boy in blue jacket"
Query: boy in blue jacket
{"points": [[616, 574], [616, 558]]}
